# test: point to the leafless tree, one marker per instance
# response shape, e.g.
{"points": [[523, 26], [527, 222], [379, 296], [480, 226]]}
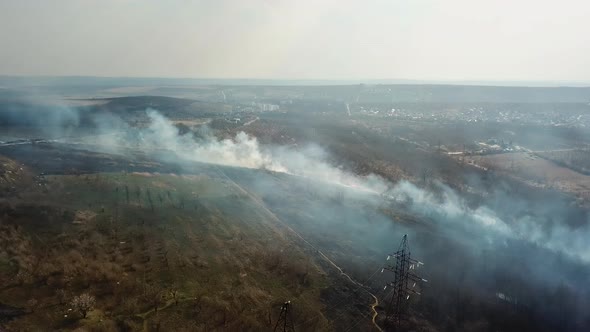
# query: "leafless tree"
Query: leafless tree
{"points": [[425, 174], [24, 277], [149, 195], [174, 295], [83, 303]]}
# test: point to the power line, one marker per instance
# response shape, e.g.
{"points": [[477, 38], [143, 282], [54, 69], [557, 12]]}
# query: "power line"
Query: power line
{"points": [[404, 283]]}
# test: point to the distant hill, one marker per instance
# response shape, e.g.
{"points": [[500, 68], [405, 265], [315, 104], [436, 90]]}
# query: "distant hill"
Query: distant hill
{"points": [[21, 111], [349, 90], [173, 108]]}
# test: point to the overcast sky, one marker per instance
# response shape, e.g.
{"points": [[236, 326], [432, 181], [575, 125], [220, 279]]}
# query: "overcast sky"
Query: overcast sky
{"points": [[298, 39]]}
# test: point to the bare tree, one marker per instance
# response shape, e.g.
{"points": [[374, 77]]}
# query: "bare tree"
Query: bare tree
{"points": [[24, 277], [425, 174], [149, 195], [83, 303], [138, 193], [174, 295]]}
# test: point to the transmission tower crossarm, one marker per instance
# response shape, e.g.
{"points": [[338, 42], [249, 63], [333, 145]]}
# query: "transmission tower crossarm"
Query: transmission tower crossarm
{"points": [[414, 277]]}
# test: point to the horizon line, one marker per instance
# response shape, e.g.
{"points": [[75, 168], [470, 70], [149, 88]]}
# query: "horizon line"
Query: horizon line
{"points": [[323, 81]]}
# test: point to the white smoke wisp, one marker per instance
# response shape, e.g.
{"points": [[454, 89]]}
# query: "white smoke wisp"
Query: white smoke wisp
{"points": [[311, 162], [448, 205], [487, 225]]}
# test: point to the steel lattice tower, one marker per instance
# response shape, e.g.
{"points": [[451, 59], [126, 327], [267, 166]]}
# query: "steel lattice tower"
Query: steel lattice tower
{"points": [[403, 283], [285, 321]]}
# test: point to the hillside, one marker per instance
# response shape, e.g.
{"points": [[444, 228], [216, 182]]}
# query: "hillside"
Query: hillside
{"points": [[149, 248]]}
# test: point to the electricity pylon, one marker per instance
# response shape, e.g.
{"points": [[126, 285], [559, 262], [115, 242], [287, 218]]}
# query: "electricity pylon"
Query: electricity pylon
{"points": [[403, 284], [285, 322]]}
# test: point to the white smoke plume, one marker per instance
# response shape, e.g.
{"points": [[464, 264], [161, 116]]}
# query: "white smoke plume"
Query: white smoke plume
{"points": [[242, 151], [445, 207], [487, 225]]}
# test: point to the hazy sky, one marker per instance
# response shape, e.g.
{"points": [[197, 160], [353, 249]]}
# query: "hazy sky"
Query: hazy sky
{"points": [[299, 39]]}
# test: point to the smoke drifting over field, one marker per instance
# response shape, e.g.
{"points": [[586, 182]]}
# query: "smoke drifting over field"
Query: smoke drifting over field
{"points": [[458, 237], [48, 115], [445, 207], [490, 225], [161, 136], [499, 218]]}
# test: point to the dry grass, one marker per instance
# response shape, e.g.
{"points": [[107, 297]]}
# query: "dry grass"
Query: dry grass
{"points": [[217, 258], [536, 171]]}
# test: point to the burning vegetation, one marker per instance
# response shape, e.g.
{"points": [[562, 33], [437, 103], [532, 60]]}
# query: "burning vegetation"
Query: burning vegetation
{"points": [[160, 213]]}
